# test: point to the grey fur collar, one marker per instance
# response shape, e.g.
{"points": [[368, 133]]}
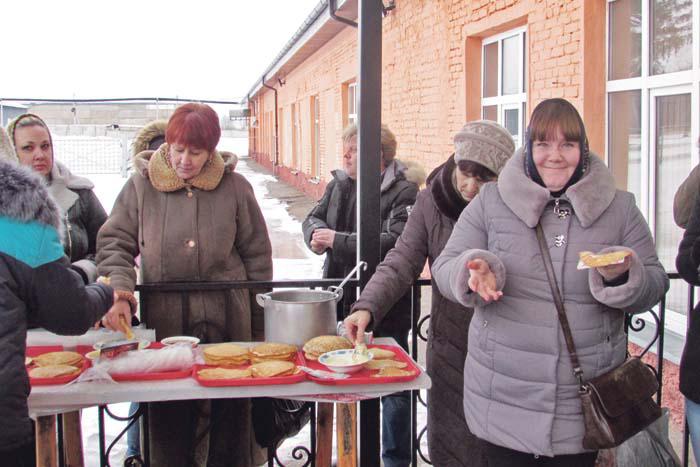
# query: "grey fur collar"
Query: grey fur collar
{"points": [[62, 184], [590, 196], [24, 197]]}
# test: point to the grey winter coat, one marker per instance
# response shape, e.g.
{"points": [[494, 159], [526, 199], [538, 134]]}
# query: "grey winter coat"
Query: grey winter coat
{"points": [[82, 215], [519, 387], [337, 211], [429, 226], [36, 286]]}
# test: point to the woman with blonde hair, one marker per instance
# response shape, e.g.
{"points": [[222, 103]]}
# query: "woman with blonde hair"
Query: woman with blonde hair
{"points": [[81, 211]]}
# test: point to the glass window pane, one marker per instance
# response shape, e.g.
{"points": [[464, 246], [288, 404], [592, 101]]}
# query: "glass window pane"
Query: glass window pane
{"points": [[352, 99], [673, 148], [524, 64], [625, 36], [625, 140], [490, 77], [671, 36], [510, 121], [511, 65], [490, 112]]}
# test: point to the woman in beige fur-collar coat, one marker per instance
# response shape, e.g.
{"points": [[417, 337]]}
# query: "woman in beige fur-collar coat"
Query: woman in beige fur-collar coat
{"points": [[191, 218]]}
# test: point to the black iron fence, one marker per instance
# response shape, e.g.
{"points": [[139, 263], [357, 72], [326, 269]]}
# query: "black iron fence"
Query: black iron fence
{"points": [[633, 324]]}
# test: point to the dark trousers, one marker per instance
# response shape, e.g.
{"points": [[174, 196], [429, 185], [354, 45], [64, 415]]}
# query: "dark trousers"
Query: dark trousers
{"points": [[498, 456], [24, 456], [396, 418]]}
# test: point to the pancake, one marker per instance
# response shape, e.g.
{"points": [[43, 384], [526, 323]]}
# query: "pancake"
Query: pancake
{"points": [[322, 344], [59, 358], [382, 354], [379, 364], [272, 368], [390, 371], [53, 371], [224, 373]]}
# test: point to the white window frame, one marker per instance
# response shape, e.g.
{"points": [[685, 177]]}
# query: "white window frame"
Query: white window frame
{"points": [[508, 101], [650, 87], [352, 90]]}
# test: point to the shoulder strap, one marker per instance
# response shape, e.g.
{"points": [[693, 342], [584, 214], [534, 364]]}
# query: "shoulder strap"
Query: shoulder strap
{"points": [[559, 303]]}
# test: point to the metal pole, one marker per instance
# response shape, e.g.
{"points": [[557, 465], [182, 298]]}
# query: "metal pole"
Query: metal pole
{"points": [[368, 181]]}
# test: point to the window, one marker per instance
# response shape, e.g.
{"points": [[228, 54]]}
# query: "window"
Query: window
{"points": [[295, 136], [315, 136], [503, 81], [352, 103], [652, 97]]}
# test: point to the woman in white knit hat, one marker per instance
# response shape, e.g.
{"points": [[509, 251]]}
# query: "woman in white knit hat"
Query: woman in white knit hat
{"points": [[481, 150]]}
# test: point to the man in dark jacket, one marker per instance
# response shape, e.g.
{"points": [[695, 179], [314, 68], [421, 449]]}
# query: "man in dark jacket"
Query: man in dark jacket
{"points": [[35, 285], [331, 228]]}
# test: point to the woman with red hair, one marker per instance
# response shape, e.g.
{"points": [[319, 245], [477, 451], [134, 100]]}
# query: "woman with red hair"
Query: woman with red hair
{"points": [[190, 217]]}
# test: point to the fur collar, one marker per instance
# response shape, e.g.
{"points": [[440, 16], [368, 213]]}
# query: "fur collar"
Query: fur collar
{"points": [[589, 197], [62, 186], [147, 134], [24, 197], [449, 202], [155, 166]]}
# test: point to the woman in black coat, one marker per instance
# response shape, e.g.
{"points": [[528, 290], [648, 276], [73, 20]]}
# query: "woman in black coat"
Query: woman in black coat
{"points": [[687, 264]]}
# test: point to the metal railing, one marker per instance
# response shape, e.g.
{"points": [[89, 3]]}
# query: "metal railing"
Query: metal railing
{"points": [[633, 324]]}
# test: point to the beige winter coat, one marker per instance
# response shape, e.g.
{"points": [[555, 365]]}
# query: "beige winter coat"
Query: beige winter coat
{"points": [[210, 229]]}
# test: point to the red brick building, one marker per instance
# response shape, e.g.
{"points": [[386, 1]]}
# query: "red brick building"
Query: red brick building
{"points": [[631, 67]]}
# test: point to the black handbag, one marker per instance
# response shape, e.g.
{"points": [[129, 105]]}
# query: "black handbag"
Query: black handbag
{"points": [[277, 419], [615, 405]]}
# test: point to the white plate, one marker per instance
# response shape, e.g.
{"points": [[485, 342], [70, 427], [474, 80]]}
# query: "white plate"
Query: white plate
{"points": [[174, 340], [143, 343]]}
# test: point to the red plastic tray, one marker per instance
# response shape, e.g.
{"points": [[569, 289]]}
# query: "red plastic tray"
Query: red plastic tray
{"points": [[160, 375], [364, 376], [40, 350], [290, 379]]}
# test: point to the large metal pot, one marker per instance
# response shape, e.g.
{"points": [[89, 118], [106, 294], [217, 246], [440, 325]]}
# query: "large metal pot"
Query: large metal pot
{"points": [[295, 316]]}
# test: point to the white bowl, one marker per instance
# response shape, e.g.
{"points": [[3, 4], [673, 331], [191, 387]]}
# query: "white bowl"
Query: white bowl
{"points": [[180, 340], [343, 361]]}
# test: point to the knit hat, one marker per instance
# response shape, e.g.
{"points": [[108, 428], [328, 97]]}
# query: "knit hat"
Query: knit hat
{"points": [[484, 142], [7, 151]]}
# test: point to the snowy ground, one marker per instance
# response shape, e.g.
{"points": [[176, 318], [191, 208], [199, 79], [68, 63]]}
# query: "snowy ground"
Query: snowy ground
{"points": [[292, 260]]}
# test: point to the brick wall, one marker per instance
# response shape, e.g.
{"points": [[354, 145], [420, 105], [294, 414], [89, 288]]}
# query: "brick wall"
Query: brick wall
{"points": [[431, 77]]}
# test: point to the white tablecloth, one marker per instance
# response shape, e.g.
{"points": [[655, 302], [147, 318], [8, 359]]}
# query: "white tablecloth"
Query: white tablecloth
{"points": [[47, 400]]}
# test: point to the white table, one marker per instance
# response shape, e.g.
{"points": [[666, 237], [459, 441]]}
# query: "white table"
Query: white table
{"points": [[46, 401]]}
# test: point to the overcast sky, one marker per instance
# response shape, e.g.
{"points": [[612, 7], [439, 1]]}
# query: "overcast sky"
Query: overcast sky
{"points": [[201, 49]]}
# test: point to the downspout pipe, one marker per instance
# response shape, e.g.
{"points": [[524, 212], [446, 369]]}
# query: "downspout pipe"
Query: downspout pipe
{"points": [[332, 8], [277, 146]]}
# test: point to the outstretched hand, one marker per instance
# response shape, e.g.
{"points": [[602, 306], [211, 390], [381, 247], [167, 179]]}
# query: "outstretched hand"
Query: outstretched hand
{"points": [[483, 281]]}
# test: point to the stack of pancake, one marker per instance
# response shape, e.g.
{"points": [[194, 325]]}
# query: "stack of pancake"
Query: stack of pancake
{"points": [[322, 344], [227, 354], [54, 364], [273, 351]]}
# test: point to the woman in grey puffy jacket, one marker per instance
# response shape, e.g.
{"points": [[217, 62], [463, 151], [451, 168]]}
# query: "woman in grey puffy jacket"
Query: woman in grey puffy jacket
{"points": [[81, 211], [520, 394]]}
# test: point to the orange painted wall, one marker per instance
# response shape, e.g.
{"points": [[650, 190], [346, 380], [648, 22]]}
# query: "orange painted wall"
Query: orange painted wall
{"points": [[431, 77]]}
